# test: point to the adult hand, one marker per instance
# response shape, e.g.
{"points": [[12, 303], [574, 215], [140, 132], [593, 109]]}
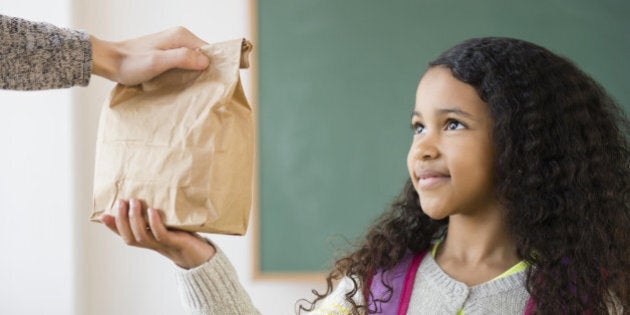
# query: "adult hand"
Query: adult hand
{"points": [[187, 250], [138, 60]]}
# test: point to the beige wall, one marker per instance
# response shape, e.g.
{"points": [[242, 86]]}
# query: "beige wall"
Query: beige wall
{"points": [[59, 263]]}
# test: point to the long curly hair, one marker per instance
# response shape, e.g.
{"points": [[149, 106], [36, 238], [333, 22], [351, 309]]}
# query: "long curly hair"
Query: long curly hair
{"points": [[561, 169]]}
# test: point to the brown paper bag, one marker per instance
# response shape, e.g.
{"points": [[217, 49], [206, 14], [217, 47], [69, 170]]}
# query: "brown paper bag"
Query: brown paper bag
{"points": [[182, 143]]}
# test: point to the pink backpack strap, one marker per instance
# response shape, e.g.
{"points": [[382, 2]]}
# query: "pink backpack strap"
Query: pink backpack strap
{"points": [[530, 307], [408, 284], [400, 278]]}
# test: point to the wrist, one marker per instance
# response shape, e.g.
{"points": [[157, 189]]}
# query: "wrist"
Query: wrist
{"points": [[105, 58], [196, 256]]}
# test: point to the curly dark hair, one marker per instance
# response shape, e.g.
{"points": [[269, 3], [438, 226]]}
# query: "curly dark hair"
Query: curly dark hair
{"points": [[561, 169]]}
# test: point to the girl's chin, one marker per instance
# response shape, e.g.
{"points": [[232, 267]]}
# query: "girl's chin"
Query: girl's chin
{"points": [[434, 208], [435, 215]]}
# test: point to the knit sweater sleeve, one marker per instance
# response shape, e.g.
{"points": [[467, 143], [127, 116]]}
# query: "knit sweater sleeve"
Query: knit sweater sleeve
{"points": [[213, 288], [38, 56]]}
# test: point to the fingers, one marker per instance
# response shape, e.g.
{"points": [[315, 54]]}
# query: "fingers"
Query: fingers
{"points": [[159, 231], [138, 60], [178, 37], [177, 48], [174, 48], [182, 58], [122, 223], [132, 227], [110, 222], [138, 225], [185, 249]]}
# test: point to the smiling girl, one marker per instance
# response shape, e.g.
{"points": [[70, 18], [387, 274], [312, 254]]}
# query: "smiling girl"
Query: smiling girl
{"points": [[517, 202]]}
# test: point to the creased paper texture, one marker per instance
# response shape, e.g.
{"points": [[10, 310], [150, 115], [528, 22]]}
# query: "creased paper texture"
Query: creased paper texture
{"points": [[182, 143]]}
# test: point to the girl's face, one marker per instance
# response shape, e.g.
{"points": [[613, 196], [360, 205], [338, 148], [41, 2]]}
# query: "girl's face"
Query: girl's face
{"points": [[450, 159]]}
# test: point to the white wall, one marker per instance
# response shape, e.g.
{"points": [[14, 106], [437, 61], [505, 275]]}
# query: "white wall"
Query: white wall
{"points": [[53, 260], [36, 230]]}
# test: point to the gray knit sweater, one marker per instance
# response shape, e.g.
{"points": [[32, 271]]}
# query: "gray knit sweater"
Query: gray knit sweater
{"points": [[38, 56], [435, 292]]}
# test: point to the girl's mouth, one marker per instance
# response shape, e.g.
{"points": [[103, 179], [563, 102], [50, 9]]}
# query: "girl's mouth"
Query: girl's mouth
{"points": [[428, 179]]}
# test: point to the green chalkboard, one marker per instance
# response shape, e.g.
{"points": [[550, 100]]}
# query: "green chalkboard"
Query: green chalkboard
{"points": [[336, 85]]}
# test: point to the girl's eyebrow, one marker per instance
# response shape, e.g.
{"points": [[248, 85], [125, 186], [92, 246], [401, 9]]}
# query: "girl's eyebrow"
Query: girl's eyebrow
{"points": [[455, 111], [443, 111]]}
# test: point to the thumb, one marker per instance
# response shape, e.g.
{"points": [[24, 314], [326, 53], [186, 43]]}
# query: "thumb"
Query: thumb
{"points": [[182, 58], [110, 222]]}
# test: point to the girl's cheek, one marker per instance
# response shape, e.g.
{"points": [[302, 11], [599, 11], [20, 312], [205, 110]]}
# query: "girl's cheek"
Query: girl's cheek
{"points": [[410, 162]]}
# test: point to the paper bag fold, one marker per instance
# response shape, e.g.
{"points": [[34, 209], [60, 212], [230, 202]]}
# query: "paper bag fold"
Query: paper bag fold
{"points": [[183, 143]]}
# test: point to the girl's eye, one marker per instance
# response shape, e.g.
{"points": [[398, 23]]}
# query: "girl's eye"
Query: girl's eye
{"points": [[417, 128], [453, 124]]}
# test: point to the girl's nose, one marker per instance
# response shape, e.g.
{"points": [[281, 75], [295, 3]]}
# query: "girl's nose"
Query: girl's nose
{"points": [[426, 148]]}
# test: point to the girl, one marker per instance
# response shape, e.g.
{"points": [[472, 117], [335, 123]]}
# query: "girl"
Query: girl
{"points": [[517, 202]]}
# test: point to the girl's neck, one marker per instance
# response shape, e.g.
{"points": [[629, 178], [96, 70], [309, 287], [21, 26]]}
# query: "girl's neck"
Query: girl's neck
{"points": [[475, 240], [478, 243]]}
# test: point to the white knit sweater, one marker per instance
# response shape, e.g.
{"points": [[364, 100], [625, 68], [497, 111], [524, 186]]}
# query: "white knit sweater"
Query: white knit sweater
{"points": [[213, 288]]}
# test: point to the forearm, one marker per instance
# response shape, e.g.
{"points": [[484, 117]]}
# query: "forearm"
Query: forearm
{"points": [[37, 56]]}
